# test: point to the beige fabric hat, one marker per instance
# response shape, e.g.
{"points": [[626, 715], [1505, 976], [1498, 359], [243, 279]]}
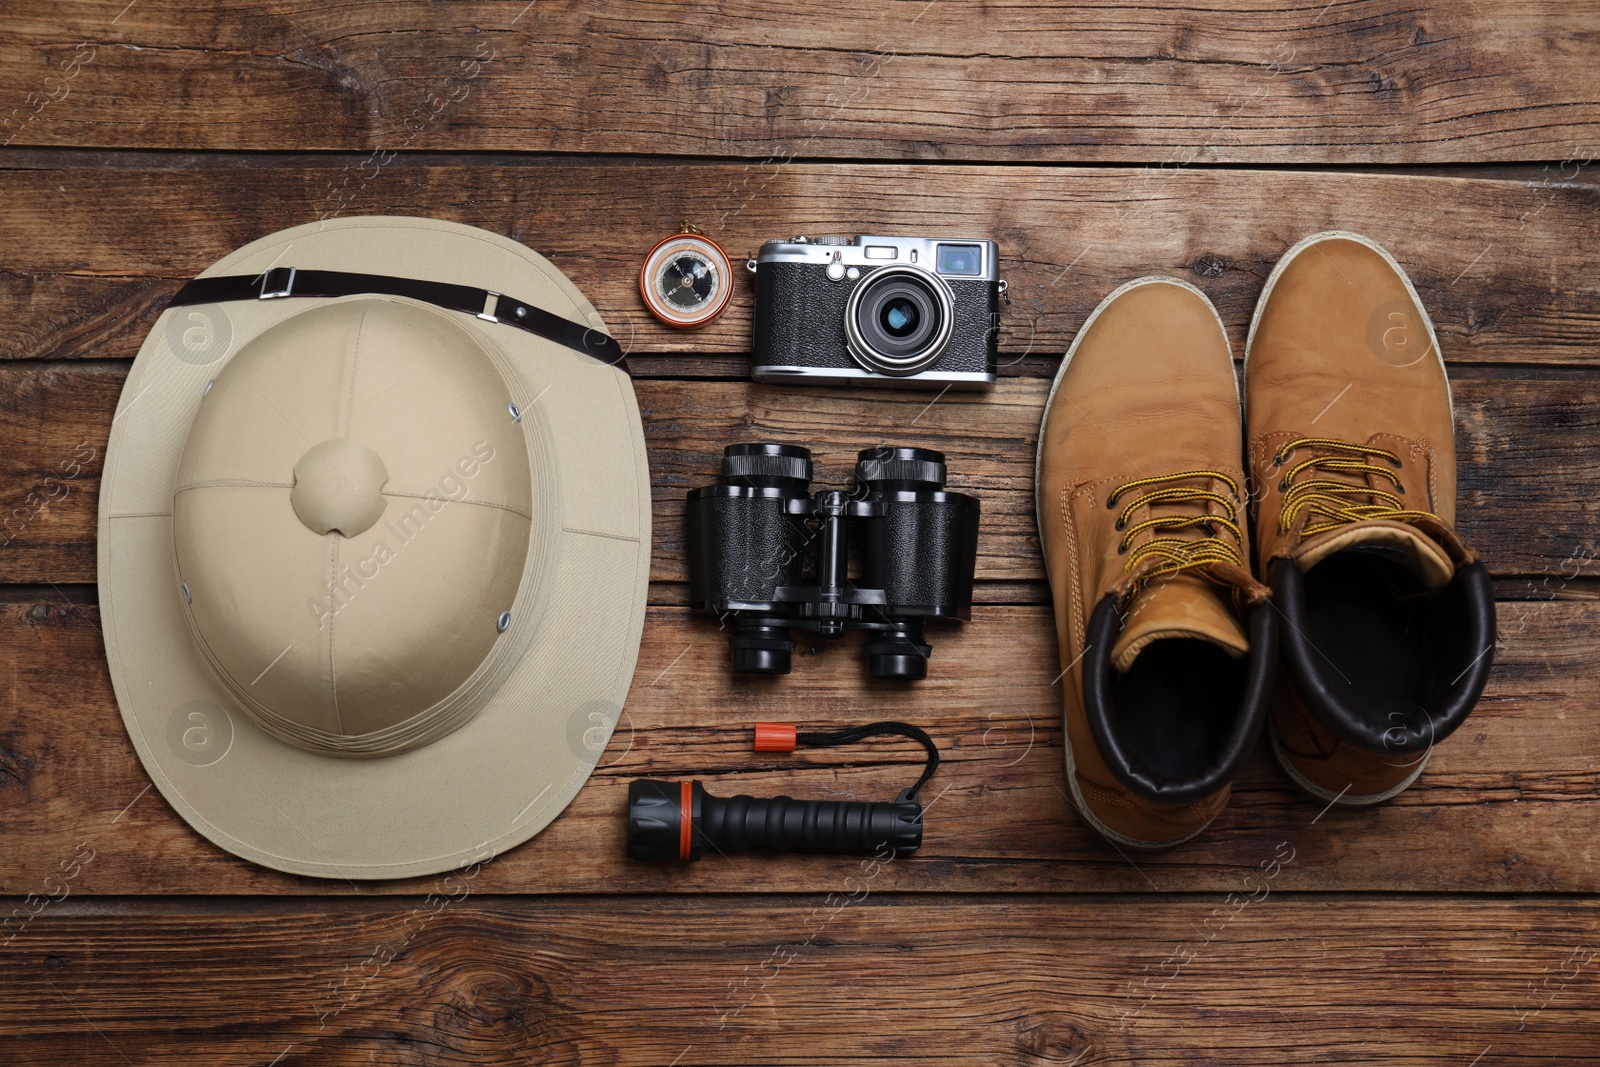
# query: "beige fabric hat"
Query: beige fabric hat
{"points": [[373, 566]]}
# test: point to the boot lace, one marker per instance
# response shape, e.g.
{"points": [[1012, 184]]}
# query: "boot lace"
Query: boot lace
{"points": [[1329, 503], [1177, 554]]}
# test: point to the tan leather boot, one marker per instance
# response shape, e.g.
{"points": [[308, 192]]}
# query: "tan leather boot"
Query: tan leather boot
{"points": [[1165, 637], [1387, 628]]}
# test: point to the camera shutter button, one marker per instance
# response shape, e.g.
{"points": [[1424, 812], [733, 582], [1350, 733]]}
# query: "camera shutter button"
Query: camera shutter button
{"points": [[835, 271]]}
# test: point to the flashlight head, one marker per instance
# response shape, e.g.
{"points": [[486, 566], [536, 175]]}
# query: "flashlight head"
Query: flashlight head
{"points": [[661, 820]]}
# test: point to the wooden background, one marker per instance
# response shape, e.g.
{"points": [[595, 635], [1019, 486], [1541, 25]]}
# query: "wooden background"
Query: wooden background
{"points": [[1458, 925]]}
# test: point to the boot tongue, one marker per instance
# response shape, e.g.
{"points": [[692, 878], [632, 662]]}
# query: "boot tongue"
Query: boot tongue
{"points": [[1404, 544], [1184, 605]]}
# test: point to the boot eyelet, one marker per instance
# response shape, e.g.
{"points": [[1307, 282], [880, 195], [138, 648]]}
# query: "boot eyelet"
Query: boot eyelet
{"points": [[1283, 486], [1399, 488], [1111, 503], [1396, 461], [1121, 525], [1122, 550]]}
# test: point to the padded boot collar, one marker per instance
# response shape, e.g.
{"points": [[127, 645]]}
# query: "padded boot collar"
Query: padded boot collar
{"points": [[1105, 623], [1332, 701]]}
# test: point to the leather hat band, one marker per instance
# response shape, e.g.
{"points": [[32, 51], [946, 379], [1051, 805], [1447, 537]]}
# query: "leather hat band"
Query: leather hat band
{"points": [[282, 282]]}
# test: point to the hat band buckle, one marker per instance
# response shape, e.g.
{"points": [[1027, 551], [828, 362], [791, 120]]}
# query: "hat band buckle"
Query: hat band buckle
{"points": [[277, 283]]}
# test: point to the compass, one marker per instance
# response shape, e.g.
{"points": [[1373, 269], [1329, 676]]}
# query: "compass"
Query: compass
{"points": [[686, 279]]}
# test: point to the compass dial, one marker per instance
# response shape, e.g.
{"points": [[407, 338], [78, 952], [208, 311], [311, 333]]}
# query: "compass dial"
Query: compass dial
{"points": [[686, 280]]}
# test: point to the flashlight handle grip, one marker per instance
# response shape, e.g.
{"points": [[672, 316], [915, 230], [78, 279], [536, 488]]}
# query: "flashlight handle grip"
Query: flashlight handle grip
{"points": [[784, 824]]}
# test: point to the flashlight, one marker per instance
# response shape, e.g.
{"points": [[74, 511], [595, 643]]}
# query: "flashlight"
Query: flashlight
{"points": [[680, 820]]}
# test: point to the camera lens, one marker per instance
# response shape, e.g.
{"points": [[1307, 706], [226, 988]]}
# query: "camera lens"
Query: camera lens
{"points": [[900, 317], [898, 320]]}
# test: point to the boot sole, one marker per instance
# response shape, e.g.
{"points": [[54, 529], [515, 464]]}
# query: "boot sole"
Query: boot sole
{"points": [[1076, 795], [1344, 799]]}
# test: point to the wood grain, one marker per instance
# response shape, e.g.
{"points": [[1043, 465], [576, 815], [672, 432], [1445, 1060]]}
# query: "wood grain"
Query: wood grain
{"points": [[96, 243], [1458, 925], [1528, 450], [1507, 804], [1528, 447], [1263, 81], [842, 975]]}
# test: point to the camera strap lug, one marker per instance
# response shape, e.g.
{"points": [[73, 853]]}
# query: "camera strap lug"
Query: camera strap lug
{"points": [[1004, 288]]}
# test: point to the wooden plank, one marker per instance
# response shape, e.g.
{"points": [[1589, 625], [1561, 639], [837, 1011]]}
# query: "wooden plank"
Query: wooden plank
{"points": [[990, 442], [841, 976], [1528, 447], [96, 243], [55, 423], [1508, 804], [1263, 81]]}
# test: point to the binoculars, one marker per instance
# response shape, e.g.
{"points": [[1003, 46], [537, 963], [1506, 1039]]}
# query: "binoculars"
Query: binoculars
{"points": [[769, 555]]}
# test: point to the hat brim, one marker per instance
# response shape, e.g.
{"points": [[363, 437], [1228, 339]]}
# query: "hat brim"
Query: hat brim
{"points": [[512, 768]]}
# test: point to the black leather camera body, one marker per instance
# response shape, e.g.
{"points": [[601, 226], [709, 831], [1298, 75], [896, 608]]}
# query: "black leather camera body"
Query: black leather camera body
{"points": [[898, 311]]}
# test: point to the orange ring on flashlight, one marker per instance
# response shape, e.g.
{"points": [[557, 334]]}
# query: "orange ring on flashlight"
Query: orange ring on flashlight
{"points": [[685, 820]]}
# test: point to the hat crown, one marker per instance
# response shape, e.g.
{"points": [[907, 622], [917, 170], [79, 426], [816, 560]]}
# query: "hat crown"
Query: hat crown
{"points": [[338, 487], [352, 523]]}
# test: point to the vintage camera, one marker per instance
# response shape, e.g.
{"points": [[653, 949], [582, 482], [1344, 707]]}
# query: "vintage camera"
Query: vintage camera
{"points": [[766, 554], [908, 311]]}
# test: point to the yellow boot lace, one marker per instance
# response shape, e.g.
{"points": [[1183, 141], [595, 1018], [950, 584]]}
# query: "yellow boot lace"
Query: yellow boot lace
{"points": [[1339, 503], [1179, 553]]}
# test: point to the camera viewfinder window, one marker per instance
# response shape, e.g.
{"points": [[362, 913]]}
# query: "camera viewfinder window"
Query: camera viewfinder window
{"points": [[960, 259]]}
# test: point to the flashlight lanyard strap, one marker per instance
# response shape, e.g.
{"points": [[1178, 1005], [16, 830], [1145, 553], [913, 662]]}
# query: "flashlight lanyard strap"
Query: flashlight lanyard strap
{"points": [[831, 738]]}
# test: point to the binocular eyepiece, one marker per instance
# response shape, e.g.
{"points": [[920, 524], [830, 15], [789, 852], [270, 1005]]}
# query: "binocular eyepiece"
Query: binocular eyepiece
{"points": [[769, 555]]}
